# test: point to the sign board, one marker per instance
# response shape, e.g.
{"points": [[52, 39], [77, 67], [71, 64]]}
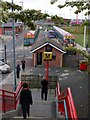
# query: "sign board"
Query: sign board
{"points": [[47, 55]]}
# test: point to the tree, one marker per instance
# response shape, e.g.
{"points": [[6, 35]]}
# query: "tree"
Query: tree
{"points": [[6, 7], [79, 4], [57, 20]]}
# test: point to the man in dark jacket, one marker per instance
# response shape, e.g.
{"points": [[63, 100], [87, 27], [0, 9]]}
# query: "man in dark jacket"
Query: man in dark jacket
{"points": [[44, 88], [23, 64], [18, 70], [25, 100]]}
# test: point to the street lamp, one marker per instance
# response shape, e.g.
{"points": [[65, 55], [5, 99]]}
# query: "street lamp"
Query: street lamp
{"points": [[14, 62], [23, 28]]}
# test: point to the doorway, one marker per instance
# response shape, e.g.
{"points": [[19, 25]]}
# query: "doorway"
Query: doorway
{"points": [[39, 58]]}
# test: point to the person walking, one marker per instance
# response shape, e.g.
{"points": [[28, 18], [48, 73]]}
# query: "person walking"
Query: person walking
{"points": [[26, 100], [18, 70], [23, 64], [44, 89]]}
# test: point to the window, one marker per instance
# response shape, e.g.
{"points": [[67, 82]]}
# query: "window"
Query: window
{"points": [[53, 56], [48, 48]]}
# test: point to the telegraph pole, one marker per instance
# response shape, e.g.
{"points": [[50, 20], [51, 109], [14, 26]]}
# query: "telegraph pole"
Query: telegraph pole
{"points": [[14, 62], [23, 29]]}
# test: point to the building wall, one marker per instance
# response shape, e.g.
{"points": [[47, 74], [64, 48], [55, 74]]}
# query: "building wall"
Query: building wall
{"points": [[8, 30], [54, 63]]}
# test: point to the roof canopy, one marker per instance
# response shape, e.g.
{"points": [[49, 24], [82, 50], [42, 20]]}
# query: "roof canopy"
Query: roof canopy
{"points": [[39, 44]]}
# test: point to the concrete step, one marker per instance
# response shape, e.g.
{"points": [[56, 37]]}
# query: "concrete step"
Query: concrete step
{"points": [[35, 118]]}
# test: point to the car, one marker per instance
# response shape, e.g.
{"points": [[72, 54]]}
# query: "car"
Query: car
{"points": [[2, 48], [2, 59], [4, 68]]}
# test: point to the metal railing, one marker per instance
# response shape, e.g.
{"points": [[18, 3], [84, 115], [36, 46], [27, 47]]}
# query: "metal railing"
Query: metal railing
{"points": [[66, 104], [9, 100]]}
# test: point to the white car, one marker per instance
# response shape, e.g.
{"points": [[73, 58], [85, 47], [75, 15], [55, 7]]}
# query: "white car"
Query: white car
{"points": [[2, 48], [4, 68]]}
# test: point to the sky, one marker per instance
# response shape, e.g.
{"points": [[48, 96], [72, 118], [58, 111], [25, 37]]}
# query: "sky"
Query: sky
{"points": [[46, 7]]}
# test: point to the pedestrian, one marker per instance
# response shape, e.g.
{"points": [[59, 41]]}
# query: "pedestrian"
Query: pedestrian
{"points": [[18, 70], [25, 100], [23, 64], [44, 88], [87, 46]]}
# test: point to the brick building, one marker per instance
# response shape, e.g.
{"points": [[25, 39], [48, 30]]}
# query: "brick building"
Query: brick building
{"points": [[7, 28], [47, 45]]}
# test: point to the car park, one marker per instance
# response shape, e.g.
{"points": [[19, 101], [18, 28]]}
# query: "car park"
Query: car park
{"points": [[4, 68]]}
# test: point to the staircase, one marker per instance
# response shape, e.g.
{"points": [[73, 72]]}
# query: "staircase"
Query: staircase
{"points": [[41, 110]]}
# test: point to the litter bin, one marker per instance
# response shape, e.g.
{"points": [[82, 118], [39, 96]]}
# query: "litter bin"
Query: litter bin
{"points": [[82, 65]]}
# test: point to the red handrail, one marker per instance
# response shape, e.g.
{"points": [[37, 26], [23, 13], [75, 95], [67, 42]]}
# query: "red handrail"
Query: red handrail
{"points": [[72, 105], [10, 99], [67, 96]]}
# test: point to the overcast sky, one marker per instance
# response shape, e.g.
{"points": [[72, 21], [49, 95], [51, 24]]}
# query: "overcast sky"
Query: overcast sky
{"points": [[46, 7]]}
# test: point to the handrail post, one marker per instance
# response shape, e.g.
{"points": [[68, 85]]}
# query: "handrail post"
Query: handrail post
{"points": [[65, 108], [3, 98], [15, 100]]}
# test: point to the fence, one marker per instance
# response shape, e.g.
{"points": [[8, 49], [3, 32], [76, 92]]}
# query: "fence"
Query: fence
{"points": [[34, 81], [72, 60]]}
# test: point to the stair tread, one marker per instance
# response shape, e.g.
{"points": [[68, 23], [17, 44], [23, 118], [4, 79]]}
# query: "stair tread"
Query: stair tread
{"points": [[35, 118]]}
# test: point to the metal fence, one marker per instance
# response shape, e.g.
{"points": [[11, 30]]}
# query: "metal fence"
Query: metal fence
{"points": [[72, 60], [34, 81]]}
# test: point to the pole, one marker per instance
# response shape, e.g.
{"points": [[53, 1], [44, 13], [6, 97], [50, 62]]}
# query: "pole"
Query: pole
{"points": [[47, 69], [84, 36], [14, 62], [5, 53], [23, 29], [77, 22]]}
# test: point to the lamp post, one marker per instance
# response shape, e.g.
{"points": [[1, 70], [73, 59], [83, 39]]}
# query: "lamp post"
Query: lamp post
{"points": [[4, 44], [14, 62], [22, 4], [23, 29]]}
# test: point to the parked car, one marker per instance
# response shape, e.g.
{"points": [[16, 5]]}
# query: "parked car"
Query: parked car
{"points": [[2, 59], [2, 48], [4, 68]]}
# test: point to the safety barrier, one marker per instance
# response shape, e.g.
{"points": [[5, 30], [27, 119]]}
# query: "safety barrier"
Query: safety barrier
{"points": [[9, 100], [66, 104]]}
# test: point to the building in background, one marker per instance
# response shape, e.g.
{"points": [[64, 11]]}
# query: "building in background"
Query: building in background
{"points": [[47, 45], [76, 22], [7, 28]]}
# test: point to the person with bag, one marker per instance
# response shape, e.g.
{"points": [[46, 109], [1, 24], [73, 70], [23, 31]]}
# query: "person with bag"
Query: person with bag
{"points": [[25, 100]]}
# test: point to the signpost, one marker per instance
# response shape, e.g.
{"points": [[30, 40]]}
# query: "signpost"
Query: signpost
{"points": [[47, 58]]}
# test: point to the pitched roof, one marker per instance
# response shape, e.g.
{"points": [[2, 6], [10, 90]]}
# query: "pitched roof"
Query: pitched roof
{"points": [[46, 41], [9, 24]]}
